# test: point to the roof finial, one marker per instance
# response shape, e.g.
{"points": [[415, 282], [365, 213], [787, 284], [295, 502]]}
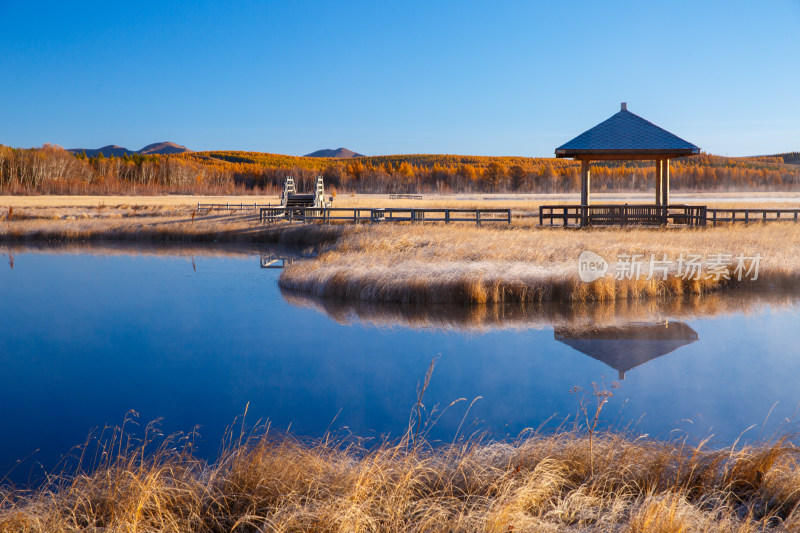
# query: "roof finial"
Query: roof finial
{"points": [[624, 106]]}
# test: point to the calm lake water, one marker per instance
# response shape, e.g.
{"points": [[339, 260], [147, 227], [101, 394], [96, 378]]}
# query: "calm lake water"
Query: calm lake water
{"points": [[193, 337]]}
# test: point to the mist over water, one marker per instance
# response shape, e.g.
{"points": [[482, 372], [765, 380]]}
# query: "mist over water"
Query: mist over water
{"points": [[192, 336]]}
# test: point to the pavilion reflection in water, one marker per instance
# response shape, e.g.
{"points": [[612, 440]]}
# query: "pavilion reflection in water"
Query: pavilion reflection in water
{"points": [[630, 345]]}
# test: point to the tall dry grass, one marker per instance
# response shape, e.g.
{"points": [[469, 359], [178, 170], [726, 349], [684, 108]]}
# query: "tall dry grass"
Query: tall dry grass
{"points": [[572, 480], [440, 264]]}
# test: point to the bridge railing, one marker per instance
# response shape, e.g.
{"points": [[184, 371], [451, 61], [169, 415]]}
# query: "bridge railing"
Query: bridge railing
{"points": [[239, 206], [384, 214]]}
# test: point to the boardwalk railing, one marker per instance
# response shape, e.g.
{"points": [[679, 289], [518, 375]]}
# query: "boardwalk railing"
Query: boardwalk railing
{"points": [[747, 215], [621, 215], [368, 214], [239, 206]]}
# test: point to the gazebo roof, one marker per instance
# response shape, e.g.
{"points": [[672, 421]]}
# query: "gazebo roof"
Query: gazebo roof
{"points": [[626, 136], [626, 347]]}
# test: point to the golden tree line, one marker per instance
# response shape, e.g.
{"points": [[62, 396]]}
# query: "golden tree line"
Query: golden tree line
{"points": [[52, 170]]}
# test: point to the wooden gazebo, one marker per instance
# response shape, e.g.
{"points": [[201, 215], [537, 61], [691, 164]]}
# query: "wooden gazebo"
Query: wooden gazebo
{"points": [[626, 136]]}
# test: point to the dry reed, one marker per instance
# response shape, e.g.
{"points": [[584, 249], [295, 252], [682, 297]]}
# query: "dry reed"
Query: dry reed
{"points": [[573, 480]]}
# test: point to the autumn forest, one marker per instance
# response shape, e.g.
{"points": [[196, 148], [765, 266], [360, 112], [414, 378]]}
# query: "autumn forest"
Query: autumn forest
{"points": [[53, 170]]}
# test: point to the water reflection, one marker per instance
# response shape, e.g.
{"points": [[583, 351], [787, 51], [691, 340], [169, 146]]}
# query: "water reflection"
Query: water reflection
{"points": [[622, 334], [575, 316], [153, 249], [275, 260], [630, 345]]}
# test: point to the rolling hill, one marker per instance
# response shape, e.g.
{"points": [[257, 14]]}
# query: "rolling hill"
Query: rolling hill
{"points": [[164, 147], [339, 153]]}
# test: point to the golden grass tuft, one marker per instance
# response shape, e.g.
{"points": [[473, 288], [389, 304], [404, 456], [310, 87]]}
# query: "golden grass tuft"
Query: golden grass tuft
{"points": [[559, 482]]}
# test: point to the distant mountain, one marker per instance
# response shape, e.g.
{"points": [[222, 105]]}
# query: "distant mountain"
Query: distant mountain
{"points": [[118, 151], [164, 147], [340, 153], [107, 151]]}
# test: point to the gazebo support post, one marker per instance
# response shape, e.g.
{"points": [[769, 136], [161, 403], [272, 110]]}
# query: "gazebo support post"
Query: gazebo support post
{"points": [[659, 180], [586, 181], [665, 184]]}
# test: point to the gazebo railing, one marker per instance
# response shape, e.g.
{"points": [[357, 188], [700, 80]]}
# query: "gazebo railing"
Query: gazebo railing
{"points": [[621, 215]]}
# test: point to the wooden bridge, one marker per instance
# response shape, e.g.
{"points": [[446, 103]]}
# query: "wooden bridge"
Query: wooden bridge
{"points": [[389, 214]]}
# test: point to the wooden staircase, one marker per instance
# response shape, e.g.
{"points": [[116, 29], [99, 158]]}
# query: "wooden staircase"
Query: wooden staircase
{"points": [[291, 198]]}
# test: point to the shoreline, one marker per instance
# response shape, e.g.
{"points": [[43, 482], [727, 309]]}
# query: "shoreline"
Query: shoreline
{"points": [[434, 263]]}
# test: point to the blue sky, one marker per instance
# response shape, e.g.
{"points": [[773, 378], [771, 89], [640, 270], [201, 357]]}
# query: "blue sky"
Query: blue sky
{"points": [[486, 78]]}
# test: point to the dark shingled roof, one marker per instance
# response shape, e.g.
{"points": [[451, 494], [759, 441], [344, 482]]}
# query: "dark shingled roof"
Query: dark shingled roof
{"points": [[626, 133]]}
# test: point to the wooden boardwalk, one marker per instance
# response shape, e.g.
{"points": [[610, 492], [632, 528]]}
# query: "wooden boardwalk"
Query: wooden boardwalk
{"points": [[572, 215], [388, 214]]}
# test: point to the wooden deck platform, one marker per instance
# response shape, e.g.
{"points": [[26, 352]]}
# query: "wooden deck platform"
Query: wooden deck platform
{"points": [[621, 215]]}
